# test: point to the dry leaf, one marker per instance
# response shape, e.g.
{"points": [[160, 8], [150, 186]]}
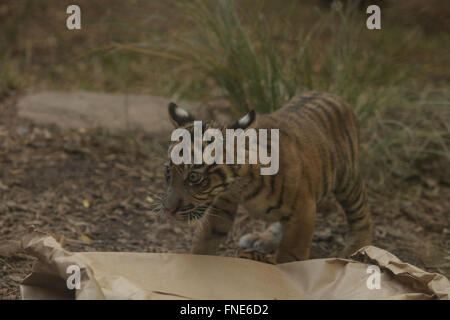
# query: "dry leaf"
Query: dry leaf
{"points": [[86, 239], [149, 199], [86, 203]]}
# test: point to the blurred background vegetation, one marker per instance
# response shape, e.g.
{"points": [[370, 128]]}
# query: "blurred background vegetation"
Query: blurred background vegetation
{"points": [[254, 55]]}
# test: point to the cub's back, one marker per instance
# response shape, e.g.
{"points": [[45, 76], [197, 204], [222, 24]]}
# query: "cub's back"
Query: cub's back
{"points": [[319, 131]]}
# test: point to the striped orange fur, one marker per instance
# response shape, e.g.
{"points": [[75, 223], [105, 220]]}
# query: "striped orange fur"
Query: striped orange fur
{"points": [[318, 134]]}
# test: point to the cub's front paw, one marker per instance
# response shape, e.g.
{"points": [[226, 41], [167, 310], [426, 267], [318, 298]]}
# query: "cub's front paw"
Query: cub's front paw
{"points": [[266, 242]]}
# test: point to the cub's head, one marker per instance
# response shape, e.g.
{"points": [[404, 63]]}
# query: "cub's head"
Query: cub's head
{"points": [[192, 186]]}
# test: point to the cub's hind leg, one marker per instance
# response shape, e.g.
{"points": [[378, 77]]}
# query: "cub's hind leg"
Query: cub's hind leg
{"points": [[214, 227], [353, 199]]}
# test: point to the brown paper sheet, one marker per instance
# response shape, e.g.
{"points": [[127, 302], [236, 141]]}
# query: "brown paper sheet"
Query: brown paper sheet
{"points": [[122, 275]]}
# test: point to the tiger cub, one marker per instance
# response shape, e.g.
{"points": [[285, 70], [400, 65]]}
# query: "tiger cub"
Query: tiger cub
{"points": [[318, 156]]}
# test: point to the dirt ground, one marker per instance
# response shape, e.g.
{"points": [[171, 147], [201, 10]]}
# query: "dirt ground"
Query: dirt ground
{"points": [[95, 188]]}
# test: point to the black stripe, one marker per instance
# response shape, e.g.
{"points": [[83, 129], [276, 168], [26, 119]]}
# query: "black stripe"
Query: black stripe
{"points": [[251, 174], [297, 194], [257, 190], [301, 101], [343, 121], [215, 187], [316, 116], [290, 118], [272, 183], [360, 203], [351, 218], [302, 162], [220, 173], [280, 197], [211, 166], [206, 183], [365, 226], [219, 233], [233, 170], [227, 212], [187, 207], [347, 198], [327, 113], [356, 192], [199, 198], [357, 201], [345, 184], [324, 155], [338, 151], [305, 173]]}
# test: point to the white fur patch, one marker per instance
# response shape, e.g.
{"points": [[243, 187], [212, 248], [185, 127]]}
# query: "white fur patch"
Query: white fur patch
{"points": [[267, 241], [181, 112], [244, 120]]}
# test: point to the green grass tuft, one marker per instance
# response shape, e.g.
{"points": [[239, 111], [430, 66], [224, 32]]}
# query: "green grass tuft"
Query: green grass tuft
{"points": [[261, 65]]}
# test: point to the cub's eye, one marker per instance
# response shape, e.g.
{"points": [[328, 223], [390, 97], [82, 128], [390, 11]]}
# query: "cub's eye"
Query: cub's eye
{"points": [[194, 177]]}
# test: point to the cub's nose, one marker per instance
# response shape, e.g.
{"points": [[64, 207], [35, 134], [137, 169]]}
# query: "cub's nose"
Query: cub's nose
{"points": [[171, 212], [172, 200], [172, 207]]}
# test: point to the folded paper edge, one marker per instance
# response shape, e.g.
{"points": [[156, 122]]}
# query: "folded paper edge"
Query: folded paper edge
{"points": [[53, 260], [435, 284]]}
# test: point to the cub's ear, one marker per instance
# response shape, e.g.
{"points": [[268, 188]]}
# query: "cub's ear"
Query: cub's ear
{"points": [[178, 116], [246, 121]]}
